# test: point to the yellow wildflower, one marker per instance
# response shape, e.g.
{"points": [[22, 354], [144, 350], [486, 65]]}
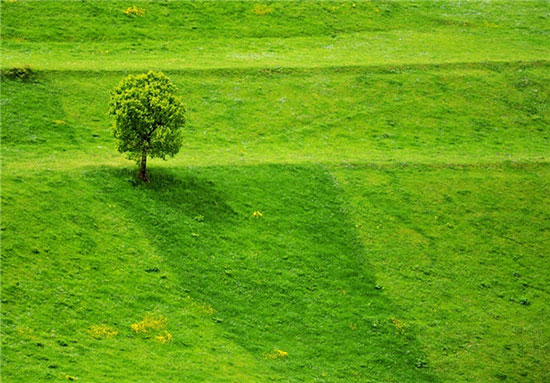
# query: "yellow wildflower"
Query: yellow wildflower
{"points": [[25, 332], [262, 9], [150, 322], [257, 214], [277, 354], [134, 11], [398, 325], [167, 337], [102, 331], [203, 307]]}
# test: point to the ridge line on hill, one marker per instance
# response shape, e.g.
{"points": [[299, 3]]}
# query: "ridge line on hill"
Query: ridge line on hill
{"points": [[32, 165], [355, 68]]}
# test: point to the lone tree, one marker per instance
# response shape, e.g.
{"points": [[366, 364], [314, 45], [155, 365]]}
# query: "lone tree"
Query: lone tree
{"points": [[148, 116]]}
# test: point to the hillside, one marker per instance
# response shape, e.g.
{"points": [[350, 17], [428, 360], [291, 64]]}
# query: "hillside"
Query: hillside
{"points": [[398, 153]]}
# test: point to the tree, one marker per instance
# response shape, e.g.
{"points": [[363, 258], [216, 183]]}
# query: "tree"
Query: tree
{"points": [[148, 117]]}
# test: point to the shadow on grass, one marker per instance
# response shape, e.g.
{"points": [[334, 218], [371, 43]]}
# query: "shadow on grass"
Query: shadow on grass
{"points": [[191, 195], [21, 125], [295, 279]]}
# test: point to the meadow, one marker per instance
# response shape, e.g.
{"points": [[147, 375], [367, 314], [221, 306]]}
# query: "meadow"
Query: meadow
{"points": [[363, 193]]}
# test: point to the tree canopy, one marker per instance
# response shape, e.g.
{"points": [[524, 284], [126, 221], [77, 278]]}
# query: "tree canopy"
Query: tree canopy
{"points": [[148, 116]]}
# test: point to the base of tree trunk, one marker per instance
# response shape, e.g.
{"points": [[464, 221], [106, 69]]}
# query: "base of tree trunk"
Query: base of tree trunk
{"points": [[143, 168], [143, 176]]}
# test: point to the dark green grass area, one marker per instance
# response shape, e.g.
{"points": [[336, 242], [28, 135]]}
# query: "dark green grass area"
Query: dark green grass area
{"points": [[295, 279], [24, 127], [416, 114], [465, 251]]}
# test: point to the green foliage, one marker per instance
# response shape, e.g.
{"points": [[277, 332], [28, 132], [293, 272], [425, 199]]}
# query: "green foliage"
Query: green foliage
{"points": [[148, 116], [18, 73]]}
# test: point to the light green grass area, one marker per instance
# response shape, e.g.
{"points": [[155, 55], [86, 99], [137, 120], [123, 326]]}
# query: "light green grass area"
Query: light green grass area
{"points": [[362, 194], [201, 35], [456, 114]]}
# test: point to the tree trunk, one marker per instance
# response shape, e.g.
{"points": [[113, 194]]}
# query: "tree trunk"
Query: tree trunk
{"points": [[143, 167]]}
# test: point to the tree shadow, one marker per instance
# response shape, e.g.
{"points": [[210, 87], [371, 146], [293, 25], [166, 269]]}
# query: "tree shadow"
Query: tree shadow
{"points": [[187, 193], [21, 125], [295, 278]]}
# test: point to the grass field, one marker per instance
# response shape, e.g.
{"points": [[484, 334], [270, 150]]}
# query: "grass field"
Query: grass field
{"points": [[398, 152]]}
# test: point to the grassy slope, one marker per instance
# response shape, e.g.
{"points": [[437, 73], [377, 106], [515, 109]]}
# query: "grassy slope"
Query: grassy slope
{"points": [[172, 35], [464, 294], [450, 114], [294, 280], [464, 250]]}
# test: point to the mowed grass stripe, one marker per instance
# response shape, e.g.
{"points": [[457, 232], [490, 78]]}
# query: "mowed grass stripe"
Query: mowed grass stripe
{"points": [[375, 48], [177, 35], [454, 114]]}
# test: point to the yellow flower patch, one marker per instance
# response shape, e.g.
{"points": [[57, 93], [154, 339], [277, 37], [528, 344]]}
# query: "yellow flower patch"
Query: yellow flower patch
{"points": [[277, 354], [149, 323], [262, 9], [134, 11], [25, 332], [102, 331], [400, 326], [164, 338], [203, 307]]}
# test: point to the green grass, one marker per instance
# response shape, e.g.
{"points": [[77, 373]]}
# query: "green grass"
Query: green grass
{"points": [[463, 250], [175, 35], [398, 153], [294, 278], [419, 114]]}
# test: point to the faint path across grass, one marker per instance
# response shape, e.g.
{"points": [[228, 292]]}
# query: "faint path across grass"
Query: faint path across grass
{"points": [[366, 48]]}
